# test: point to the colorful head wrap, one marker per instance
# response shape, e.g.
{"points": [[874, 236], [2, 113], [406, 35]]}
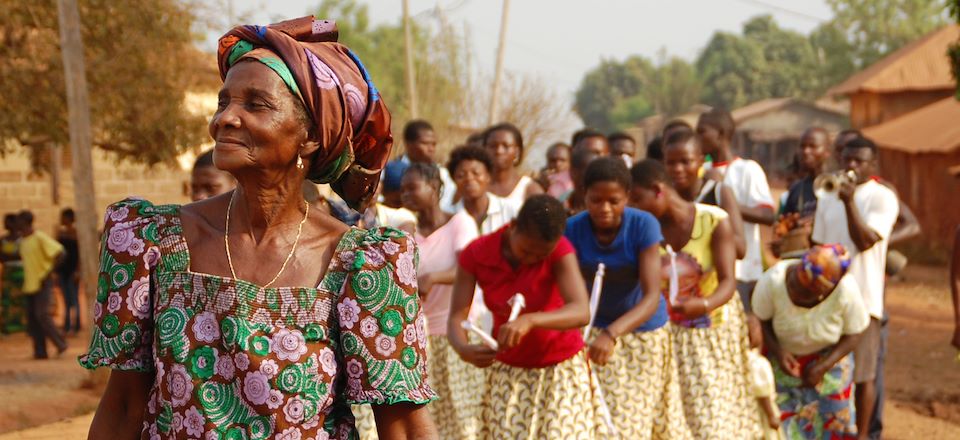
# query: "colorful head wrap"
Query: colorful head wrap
{"points": [[352, 122], [823, 266]]}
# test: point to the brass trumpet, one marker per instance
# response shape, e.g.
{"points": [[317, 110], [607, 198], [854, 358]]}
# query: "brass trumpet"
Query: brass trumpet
{"points": [[830, 183]]}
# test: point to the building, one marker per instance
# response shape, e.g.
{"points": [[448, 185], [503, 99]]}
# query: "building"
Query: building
{"points": [[916, 75], [769, 130]]}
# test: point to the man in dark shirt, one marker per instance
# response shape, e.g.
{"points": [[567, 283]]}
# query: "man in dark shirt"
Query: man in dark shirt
{"points": [[67, 271], [796, 216]]}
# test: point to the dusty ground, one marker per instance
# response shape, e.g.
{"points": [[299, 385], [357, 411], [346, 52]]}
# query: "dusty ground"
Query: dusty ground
{"points": [[923, 379]]}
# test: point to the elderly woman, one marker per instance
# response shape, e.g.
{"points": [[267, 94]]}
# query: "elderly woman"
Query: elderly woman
{"points": [[247, 315], [812, 316]]}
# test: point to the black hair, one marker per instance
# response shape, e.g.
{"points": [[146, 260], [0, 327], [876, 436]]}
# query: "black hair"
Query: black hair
{"points": [[411, 131], [25, 217], [620, 136], [862, 142], [429, 172], [674, 123], [505, 126], [556, 146], [607, 169], [818, 129], [8, 218], [721, 119], [655, 148], [678, 137], [852, 131], [585, 133], [649, 172], [475, 138], [466, 152], [581, 158], [542, 216], [68, 213], [204, 160]]}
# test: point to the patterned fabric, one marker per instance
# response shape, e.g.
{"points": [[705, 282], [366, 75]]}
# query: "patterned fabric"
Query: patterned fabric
{"points": [[641, 387], [352, 122], [12, 301], [824, 412], [461, 389], [712, 367], [231, 359], [694, 265], [556, 402], [366, 423], [823, 266]]}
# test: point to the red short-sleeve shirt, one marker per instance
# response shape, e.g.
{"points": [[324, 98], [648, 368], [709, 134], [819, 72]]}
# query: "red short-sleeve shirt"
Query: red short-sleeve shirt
{"points": [[499, 281]]}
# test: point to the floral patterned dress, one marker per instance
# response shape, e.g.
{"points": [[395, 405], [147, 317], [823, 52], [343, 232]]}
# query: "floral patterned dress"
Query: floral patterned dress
{"points": [[232, 360]]}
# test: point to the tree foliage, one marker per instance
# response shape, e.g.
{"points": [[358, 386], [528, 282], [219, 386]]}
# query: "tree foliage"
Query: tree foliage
{"points": [[139, 61]]}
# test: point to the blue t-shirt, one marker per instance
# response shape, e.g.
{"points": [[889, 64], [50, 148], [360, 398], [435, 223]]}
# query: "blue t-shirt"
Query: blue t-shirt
{"points": [[621, 284]]}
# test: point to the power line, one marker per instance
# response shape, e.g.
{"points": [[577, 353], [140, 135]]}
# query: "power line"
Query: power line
{"points": [[787, 11]]}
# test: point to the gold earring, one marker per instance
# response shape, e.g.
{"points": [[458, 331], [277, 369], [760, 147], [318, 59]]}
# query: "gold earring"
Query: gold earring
{"points": [[299, 163]]}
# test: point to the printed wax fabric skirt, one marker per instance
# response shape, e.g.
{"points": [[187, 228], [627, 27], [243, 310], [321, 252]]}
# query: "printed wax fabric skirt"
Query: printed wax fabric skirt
{"points": [[641, 388], [823, 412], [556, 402], [712, 369], [12, 301]]}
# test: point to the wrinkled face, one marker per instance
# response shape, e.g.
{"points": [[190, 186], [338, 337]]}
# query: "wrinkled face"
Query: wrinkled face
{"points": [[683, 164], [257, 125], [709, 137], [417, 194], [504, 147], [813, 149], [423, 149], [605, 202], [472, 178], [597, 144], [528, 248], [860, 161], [623, 147], [648, 199], [558, 159], [206, 182]]}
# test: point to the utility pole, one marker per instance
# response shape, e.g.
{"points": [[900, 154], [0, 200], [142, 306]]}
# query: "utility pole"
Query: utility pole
{"points": [[498, 75], [71, 47], [408, 50]]}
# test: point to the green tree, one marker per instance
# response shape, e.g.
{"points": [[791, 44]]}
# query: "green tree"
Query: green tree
{"points": [[789, 57], [875, 28], [733, 70], [605, 87], [676, 87], [140, 63]]}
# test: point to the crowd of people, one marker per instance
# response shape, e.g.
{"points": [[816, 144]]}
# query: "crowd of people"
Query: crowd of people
{"points": [[604, 296]]}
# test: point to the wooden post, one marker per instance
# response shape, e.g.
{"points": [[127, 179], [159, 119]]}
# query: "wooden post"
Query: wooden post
{"points": [[410, 73], [498, 74], [56, 168], [71, 46]]}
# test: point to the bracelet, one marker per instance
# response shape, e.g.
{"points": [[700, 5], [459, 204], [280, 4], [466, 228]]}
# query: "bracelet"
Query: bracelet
{"points": [[610, 335]]}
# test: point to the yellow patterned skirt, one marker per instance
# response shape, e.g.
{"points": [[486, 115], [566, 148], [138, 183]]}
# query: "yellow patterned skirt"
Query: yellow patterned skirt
{"points": [[556, 402], [366, 425], [641, 388], [461, 389], [712, 368]]}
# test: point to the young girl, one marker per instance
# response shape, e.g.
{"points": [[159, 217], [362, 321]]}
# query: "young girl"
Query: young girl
{"points": [[538, 383], [505, 144], [441, 237], [708, 328], [630, 343]]}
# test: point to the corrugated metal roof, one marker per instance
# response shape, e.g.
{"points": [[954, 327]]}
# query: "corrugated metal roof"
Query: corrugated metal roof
{"points": [[931, 129], [920, 65], [762, 106]]}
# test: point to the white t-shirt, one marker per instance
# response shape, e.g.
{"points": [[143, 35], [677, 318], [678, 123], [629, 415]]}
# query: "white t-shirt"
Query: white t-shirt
{"points": [[748, 182], [499, 212], [519, 193], [801, 330], [879, 208], [438, 253], [395, 218]]}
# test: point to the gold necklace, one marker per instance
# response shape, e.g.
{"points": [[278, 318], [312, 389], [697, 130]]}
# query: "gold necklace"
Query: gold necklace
{"points": [[226, 241]]}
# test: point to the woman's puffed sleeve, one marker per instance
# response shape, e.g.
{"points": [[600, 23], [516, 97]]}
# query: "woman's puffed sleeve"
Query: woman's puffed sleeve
{"points": [[382, 328], [123, 313]]}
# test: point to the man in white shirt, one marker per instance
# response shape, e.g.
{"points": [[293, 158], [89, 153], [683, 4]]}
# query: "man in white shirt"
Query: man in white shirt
{"points": [[861, 218], [420, 143], [748, 182]]}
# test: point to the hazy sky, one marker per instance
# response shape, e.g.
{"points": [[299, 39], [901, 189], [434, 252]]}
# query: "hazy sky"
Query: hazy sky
{"points": [[560, 40]]}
